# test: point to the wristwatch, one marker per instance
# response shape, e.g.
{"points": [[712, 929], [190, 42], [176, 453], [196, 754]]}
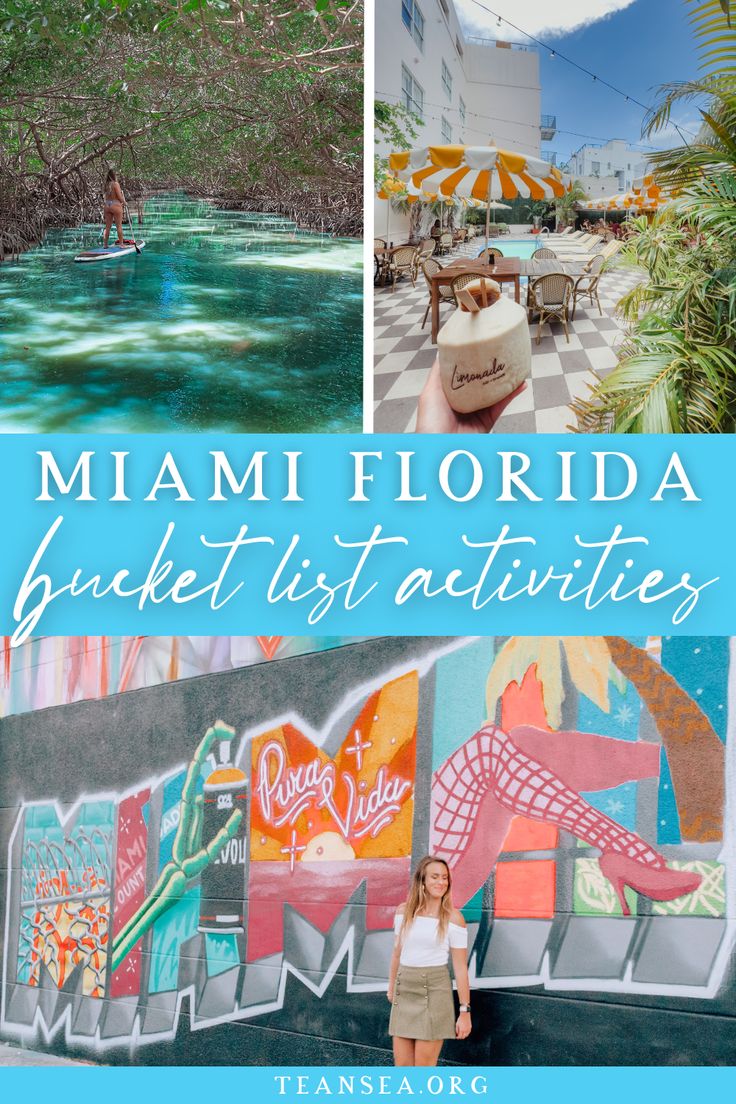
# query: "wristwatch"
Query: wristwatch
{"points": [[464, 1008]]}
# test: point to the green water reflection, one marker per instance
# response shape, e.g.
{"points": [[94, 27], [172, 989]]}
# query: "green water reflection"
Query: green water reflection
{"points": [[227, 321]]}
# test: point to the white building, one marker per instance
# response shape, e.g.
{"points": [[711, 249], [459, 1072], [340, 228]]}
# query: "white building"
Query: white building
{"points": [[597, 187], [464, 90], [606, 169]]}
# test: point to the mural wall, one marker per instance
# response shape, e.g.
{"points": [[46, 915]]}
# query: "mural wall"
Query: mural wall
{"points": [[56, 670], [215, 852]]}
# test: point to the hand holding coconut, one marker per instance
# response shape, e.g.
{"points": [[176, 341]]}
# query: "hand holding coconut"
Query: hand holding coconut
{"points": [[435, 415], [484, 349]]}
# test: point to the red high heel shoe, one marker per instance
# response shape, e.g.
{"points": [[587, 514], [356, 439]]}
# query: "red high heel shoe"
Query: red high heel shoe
{"points": [[491, 761], [658, 883]]}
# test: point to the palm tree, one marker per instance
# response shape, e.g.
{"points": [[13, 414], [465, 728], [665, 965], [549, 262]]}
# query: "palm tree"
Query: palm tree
{"points": [[677, 370], [567, 205]]}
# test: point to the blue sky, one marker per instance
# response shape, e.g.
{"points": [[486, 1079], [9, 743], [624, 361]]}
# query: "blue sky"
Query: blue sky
{"points": [[637, 45]]}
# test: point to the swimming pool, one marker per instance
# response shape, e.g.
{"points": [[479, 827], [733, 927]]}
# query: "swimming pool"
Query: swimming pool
{"points": [[227, 322], [511, 248]]}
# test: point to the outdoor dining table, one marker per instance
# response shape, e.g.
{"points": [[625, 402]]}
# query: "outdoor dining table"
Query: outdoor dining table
{"points": [[575, 268], [505, 270]]}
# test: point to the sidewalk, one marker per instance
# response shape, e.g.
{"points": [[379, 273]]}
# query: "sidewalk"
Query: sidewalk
{"points": [[11, 1055]]}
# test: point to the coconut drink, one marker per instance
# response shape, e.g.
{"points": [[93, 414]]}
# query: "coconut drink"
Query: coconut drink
{"points": [[485, 350]]}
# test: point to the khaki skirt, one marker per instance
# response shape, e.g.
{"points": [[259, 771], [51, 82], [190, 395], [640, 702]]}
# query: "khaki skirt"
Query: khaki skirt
{"points": [[423, 1006]]}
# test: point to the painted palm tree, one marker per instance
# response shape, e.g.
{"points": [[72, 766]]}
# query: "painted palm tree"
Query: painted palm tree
{"points": [[694, 751]]}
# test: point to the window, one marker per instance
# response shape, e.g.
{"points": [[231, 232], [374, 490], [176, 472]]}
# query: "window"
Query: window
{"points": [[446, 130], [458, 47], [445, 8], [413, 20], [462, 111], [595, 168], [412, 94], [446, 79]]}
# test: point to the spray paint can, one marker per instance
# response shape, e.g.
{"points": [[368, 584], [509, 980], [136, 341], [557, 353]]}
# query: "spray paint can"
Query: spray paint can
{"points": [[223, 881]]}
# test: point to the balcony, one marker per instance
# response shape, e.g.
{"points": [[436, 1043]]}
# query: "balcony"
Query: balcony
{"points": [[548, 127], [476, 40]]}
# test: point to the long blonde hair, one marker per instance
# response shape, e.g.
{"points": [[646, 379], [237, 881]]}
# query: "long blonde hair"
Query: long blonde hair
{"points": [[418, 898]]}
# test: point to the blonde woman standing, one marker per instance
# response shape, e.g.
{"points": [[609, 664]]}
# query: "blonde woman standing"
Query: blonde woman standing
{"points": [[428, 931], [114, 205]]}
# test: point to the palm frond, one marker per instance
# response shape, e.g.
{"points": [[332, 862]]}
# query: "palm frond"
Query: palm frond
{"points": [[712, 27]]}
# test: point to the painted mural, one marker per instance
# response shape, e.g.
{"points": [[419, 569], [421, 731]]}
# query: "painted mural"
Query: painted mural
{"points": [[576, 786], [55, 670]]}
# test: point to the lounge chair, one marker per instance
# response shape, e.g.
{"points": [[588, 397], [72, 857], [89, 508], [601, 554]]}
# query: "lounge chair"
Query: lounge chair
{"points": [[589, 240], [610, 249]]}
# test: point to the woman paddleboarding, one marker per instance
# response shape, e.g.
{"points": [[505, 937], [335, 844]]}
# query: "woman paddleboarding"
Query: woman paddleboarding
{"points": [[114, 206]]}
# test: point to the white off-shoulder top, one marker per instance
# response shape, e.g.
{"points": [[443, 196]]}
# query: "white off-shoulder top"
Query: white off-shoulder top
{"points": [[422, 947]]}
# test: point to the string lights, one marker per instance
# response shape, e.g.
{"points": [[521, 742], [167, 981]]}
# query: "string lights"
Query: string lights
{"points": [[581, 68]]}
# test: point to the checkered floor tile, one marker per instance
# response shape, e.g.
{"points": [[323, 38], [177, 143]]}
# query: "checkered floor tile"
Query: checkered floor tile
{"points": [[561, 370]]}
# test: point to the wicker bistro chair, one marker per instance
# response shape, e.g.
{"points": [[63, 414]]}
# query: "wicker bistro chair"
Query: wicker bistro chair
{"points": [[550, 298], [490, 255], [429, 266], [379, 260], [544, 254], [460, 282], [595, 264], [445, 243], [402, 261], [587, 285], [425, 249]]}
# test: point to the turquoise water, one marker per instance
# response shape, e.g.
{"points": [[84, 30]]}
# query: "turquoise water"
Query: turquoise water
{"points": [[521, 249], [227, 322]]}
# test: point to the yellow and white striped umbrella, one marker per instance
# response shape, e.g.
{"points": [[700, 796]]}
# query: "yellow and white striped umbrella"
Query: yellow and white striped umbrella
{"points": [[645, 185], [629, 201], [478, 172]]}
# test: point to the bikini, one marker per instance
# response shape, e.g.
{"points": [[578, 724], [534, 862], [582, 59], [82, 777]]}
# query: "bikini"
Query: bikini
{"points": [[110, 204]]}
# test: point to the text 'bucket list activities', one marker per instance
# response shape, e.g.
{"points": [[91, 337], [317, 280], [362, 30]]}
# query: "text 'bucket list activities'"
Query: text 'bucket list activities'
{"points": [[358, 535]]}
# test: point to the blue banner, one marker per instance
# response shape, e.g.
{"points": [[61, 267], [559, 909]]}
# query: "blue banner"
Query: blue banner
{"points": [[309, 1085], [363, 535]]}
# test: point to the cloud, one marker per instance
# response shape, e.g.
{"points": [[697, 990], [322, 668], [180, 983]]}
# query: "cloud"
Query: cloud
{"points": [[669, 136], [538, 17]]}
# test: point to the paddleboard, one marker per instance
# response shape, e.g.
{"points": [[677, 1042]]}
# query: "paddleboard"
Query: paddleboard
{"points": [[110, 254]]}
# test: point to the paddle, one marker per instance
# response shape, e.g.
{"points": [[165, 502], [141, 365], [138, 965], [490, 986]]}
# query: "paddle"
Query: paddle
{"points": [[130, 224]]}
